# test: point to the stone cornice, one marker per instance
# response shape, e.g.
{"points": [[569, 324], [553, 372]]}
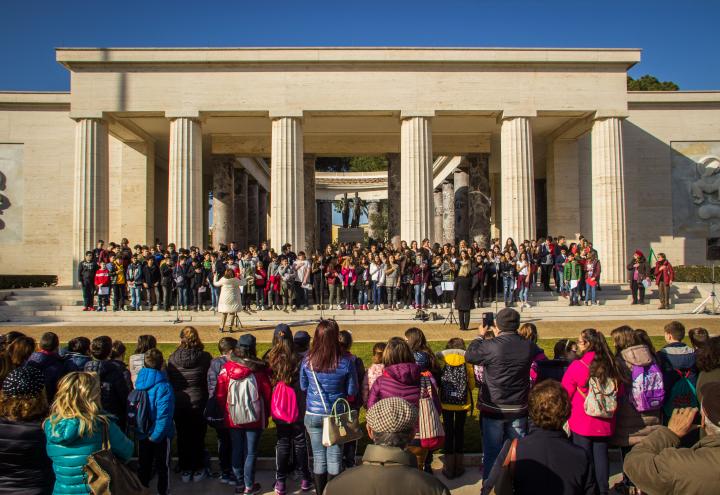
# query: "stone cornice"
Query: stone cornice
{"points": [[35, 99], [671, 97], [319, 55]]}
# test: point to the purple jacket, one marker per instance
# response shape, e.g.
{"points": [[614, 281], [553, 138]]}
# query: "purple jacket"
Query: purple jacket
{"points": [[400, 380]]}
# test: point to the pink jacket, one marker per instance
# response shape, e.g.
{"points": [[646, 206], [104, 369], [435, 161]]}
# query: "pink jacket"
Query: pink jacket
{"points": [[576, 377], [349, 276], [372, 373]]}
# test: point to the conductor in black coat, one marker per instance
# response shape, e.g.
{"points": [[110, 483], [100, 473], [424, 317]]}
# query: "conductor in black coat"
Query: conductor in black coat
{"points": [[464, 286]]}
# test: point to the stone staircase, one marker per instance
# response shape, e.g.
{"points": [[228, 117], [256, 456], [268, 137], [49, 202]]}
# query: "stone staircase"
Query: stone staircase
{"points": [[63, 305]]}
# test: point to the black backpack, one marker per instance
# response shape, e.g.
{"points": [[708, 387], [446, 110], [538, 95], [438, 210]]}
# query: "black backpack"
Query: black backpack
{"points": [[138, 413], [454, 385]]}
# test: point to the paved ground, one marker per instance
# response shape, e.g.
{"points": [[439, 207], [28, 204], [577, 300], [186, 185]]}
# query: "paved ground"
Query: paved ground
{"points": [[367, 332]]}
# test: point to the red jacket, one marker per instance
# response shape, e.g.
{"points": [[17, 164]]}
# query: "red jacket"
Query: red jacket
{"points": [[237, 369], [667, 275], [260, 277], [102, 277], [596, 269]]}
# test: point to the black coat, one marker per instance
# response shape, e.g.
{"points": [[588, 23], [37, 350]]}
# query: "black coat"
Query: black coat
{"points": [[114, 387], [506, 360], [24, 465], [187, 371], [548, 459], [464, 293], [151, 275]]}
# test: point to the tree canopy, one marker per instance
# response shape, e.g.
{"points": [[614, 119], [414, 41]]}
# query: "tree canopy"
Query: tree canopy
{"points": [[650, 83], [352, 164]]}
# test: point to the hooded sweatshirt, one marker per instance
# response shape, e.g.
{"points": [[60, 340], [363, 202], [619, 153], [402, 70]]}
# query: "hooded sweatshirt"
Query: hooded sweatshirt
{"points": [[632, 426], [161, 399], [69, 451], [239, 369], [397, 380]]}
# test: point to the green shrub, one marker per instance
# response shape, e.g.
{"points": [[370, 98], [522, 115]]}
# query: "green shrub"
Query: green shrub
{"points": [[25, 281], [696, 273]]}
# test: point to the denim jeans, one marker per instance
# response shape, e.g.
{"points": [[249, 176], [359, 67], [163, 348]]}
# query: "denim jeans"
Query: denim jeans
{"points": [[214, 296], [597, 450], [523, 293], [259, 296], [362, 296], [135, 297], [291, 445], [325, 459], [590, 293], [494, 434], [182, 296], [561, 279], [508, 286], [244, 452], [377, 293], [419, 294]]}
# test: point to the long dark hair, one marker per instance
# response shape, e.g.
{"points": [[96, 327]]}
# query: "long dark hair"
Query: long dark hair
{"points": [[603, 366], [325, 351], [418, 343], [282, 360], [145, 343]]}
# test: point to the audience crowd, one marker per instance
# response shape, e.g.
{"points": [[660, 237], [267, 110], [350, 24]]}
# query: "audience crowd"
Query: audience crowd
{"points": [[547, 422]]}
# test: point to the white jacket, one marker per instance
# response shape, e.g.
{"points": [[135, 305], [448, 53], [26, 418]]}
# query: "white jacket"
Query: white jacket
{"points": [[229, 300], [377, 273]]}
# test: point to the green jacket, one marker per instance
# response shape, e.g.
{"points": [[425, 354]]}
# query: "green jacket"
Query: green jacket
{"points": [[572, 271], [657, 466]]}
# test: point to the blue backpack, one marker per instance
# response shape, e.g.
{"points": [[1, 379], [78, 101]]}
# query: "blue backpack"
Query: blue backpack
{"points": [[138, 413]]}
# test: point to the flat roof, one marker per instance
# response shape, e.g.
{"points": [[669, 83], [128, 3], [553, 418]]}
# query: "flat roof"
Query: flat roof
{"points": [[245, 55], [35, 98], [673, 96]]}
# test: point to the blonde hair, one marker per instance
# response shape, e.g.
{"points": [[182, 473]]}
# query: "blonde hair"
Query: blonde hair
{"points": [[78, 397], [464, 269], [528, 331]]}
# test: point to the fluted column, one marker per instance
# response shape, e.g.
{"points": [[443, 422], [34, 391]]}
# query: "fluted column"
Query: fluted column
{"points": [[480, 204], [223, 200], [608, 198], [437, 216], [185, 223], [461, 180], [310, 206], [373, 209], [448, 201], [394, 198], [240, 208], [253, 220], [262, 214], [517, 180], [90, 211], [416, 188], [287, 204]]}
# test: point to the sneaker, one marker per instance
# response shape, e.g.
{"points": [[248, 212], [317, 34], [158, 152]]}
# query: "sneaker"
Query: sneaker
{"points": [[200, 475], [251, 490], [306, 485], [280, 487], [226, 478], [186, 476]]}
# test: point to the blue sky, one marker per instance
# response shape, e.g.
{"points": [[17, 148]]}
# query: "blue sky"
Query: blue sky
{"points": [[680, 40]]}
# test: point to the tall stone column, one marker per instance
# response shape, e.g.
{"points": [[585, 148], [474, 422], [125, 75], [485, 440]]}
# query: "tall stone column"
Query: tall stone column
{"points": [[461, 180], [310, 207], [287, 205], [373, 209], [185, 223], [608, 198], [437, 216], [262, 214], [448, 202], [90, 210], [394, 198], [479, 199], [416, 187], [517, 180], [253, 220], [223, 200], [324, 220], [240, 208]]}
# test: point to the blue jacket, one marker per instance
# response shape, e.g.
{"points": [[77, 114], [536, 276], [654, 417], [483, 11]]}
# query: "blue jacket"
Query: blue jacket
{"points": [[69, 451], [216, 366], [162, 402], [52, 366], [75, 361], [675, 357], [341, 383]]}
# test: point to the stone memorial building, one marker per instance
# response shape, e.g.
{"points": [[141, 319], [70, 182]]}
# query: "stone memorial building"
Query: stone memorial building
{"points": [[480, 143]]}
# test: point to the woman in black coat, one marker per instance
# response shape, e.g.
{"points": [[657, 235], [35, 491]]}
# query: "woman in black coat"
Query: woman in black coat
{"points": [[464, 295], [24, 465], [187, 372]]}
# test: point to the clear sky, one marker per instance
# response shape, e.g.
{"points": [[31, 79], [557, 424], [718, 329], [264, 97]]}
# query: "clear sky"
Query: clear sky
{"points": [[680, 40]]}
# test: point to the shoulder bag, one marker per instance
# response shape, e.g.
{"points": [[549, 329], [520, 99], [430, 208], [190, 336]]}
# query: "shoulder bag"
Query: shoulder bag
{"points": [[338, 428]]}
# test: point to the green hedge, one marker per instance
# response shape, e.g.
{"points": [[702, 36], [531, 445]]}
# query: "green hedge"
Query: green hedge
{"points": [[25, 281], [696, 273]]}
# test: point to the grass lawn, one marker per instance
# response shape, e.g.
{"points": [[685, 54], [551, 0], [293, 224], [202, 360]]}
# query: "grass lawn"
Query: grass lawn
{"points": [[364, 351]]}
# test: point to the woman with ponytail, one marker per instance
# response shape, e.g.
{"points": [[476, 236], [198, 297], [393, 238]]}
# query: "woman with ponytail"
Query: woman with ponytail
{"points": [[592, 415]]}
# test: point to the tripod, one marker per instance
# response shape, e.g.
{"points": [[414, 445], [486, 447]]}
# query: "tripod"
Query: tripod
{"points": [[177, 307], [711, 299], [450, 318]]}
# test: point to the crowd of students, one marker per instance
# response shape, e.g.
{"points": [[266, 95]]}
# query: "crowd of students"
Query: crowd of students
{"points": [[381, 276], [552, 419]]}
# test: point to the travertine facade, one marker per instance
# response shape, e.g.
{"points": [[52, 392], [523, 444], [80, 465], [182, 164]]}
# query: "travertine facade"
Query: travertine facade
{"points": [[131, 150]]}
